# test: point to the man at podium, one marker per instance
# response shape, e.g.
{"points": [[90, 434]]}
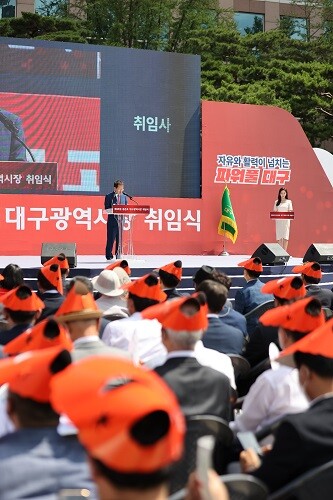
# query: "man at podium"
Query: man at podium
{"points": [[116, 197]]}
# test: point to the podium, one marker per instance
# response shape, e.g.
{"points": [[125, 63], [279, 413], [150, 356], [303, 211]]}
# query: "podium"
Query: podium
{"points": [[282, 215], [28, 177], [120, 212]]}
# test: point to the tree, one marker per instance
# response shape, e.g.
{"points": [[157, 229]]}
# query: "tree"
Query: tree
{"points": [[48, 28]]}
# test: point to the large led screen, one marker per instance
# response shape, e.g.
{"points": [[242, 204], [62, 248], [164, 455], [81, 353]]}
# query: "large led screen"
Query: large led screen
{"points": [[73, 118]]}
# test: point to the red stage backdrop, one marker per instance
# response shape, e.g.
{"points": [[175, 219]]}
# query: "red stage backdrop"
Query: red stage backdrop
{"points": [[253, 149]]}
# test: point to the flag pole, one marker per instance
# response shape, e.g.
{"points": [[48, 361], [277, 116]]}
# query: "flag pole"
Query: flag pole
{"points": [[224, 251]]}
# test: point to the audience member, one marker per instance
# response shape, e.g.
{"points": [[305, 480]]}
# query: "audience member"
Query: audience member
{"points": [[132, 427], [140, 337], [277, 391], [35, 461], [50, 289], [199, 389], [311, 275], [305, 440], [108, 285], [285, 291], [219, 336], [11, 277], [250, 296], [62, 262], [22, 308], [170, 276], [80, 314]]}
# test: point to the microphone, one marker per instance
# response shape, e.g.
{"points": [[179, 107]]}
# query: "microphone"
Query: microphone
{"points": [[128, 196], [15, 131]]}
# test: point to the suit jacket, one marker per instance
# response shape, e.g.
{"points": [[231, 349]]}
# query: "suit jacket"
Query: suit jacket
{"points": [[96, 348], [10, 148], [257, 348], [37, 463], [111, 199], [52, 303], [248, 298], [223, 338], [303, 441], [233, 318], [199, 389], [324, 295]]}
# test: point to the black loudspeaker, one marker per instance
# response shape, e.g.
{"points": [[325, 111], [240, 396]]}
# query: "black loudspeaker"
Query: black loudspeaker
{"points": [[271, 254], [319, 252], [49, 250]]}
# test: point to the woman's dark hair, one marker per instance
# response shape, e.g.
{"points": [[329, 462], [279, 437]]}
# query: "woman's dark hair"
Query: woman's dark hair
{"points": [[279, 195], [13, 277]]}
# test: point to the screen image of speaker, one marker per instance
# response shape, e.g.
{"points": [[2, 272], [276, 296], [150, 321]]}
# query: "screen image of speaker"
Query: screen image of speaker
{"points": [[319, 252], [271, 254], [50, 250]]}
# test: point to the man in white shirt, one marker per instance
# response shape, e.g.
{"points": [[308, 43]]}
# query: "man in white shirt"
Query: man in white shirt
{"points": [[140, 337], [277, 391]]}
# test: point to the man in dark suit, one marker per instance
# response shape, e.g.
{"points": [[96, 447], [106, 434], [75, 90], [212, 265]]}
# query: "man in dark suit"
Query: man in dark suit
{"points": [[219, 336], [10, 148], [305, 440], [170, 276], [50, 289], [79, 312], [36, 462], [199, 389], [311, 275], [250, 296], [116, 197]]}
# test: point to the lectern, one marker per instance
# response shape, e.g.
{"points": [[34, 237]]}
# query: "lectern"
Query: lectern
{"points": [[121, 211]]}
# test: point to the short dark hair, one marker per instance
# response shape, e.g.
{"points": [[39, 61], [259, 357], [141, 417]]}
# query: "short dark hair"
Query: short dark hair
{"points": [[141, 303], [322, 366], [222, 278], [216, 294], [32, 413], [139, 481], [310, 280], [169, 280], [83, 279], [13, 277], [20, 317], [118, 183]]}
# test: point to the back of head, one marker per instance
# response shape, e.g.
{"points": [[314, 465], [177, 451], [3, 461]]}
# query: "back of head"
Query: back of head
{"points": [[216, 295], [203, 273], [13, 277], [145, 292], [171, 274]]}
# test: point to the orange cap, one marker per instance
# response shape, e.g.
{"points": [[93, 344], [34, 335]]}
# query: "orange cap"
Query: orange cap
{"points": [[172, 313], [147, 287], [311, 269], [79, 304], [253, 264], [53, 274], [29, 374], [58, 259], [175, 268], [286, 288], [47, 333], [296, 316], [132, 424], [30, 301], [319, 343], [120, 263]]}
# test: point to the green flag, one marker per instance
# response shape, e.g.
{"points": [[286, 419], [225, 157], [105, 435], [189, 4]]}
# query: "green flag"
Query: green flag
{"points": [[227, 224]]}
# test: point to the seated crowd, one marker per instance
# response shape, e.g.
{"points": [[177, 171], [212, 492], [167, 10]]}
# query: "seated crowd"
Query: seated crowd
{"points": [[101, 379]]}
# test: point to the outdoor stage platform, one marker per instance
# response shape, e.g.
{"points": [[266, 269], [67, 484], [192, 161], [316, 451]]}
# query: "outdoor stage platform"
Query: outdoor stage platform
{"points": [[92, 265]]}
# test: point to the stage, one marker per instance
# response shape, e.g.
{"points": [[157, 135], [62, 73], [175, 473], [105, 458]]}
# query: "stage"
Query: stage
{"points": [[92, 265]]}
